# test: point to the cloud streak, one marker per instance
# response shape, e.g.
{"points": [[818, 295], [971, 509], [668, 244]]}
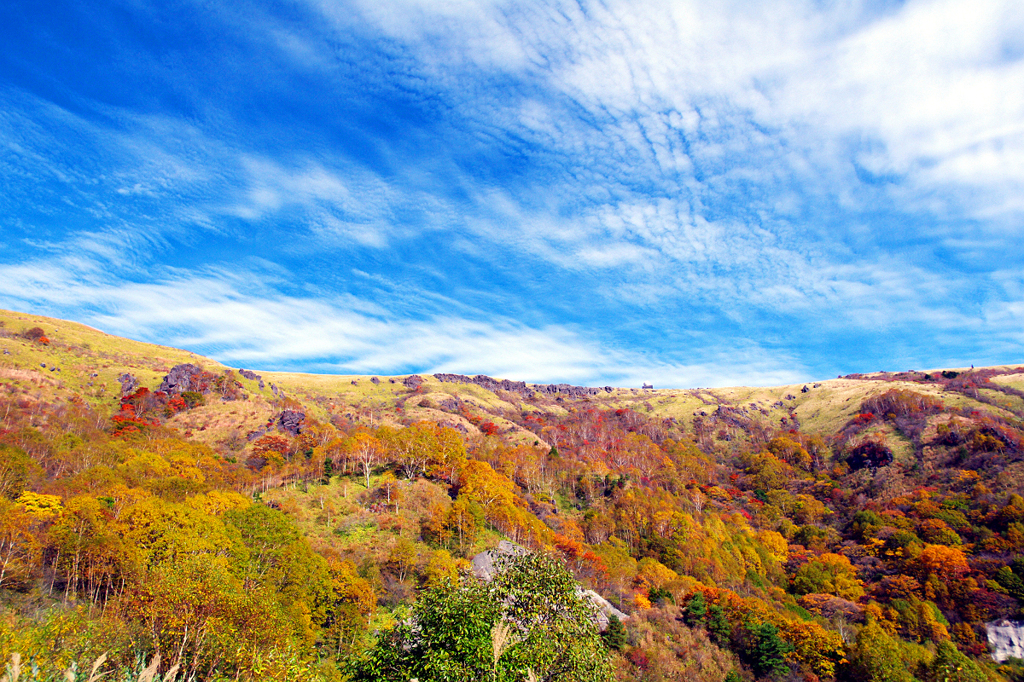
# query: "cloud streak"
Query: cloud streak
{"points": [[218, 313], [617, 184]]}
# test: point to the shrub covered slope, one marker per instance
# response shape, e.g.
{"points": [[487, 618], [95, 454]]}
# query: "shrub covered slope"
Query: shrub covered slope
{"points": [[300, 527]]}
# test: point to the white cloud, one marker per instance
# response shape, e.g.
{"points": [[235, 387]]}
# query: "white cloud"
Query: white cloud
{"points": [[353, 206], [227, 317], [718, 157], [934, 85]]}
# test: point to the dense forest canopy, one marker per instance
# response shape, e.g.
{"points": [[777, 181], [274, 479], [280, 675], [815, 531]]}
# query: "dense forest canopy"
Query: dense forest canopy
{"points": [[161, 510]]}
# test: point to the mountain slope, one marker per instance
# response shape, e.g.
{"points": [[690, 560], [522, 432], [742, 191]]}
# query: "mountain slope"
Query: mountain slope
{"points": [[87, 362], [282, 526]]}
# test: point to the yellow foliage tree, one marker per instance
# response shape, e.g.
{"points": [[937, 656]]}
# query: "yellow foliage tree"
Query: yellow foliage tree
{"points": [[39, 505], [829, 574], [19, 547]]}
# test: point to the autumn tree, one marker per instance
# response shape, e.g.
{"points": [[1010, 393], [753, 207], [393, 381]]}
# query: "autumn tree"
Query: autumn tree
{"points": [[663, 648], [448, 454], [462, 523], [877, 657], [354, 602], [365, 450], [870, 454], [270, 449], [492, 491], [939, 568], [410, 448], [829, 574], [789, 451], [89, 548], [19, 546], [16, 467], [952, 666], [34, 334]]}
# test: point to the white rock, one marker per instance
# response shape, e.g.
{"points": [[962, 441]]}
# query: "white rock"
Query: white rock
{"points": [[1006, 639]]}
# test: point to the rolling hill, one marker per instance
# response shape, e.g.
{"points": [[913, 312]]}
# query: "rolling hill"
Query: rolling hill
{"points": [[265, 525]]}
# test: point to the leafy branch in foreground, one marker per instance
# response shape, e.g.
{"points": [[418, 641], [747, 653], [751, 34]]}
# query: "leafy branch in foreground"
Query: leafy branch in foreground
{"points": [[530, 620]]}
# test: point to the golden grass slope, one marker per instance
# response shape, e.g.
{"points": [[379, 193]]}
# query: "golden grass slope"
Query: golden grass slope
{"points": [[85, 361]]}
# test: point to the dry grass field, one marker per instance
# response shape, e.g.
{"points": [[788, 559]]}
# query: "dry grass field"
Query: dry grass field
{"points": [[83, 360]]}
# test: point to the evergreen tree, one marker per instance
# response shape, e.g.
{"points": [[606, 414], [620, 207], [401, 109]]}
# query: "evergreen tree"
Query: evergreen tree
{"points": [[615, 635], [718, 625], [767, 650], [696, 610]]}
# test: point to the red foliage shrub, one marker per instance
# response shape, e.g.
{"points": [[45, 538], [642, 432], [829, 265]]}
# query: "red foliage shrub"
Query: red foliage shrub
{"points": [[174, 406], [128, 422], [276, 444], [639, 659], [870, 454]]}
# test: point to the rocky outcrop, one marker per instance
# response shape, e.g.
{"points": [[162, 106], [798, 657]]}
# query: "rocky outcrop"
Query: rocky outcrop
{"points": [[129, 384], [521, 387], [291, 421], [569, 391], [605, 610], [484, 567], [487, 382], [450, 404], [1006, 638], [187, 377], [484, 563], [413, 381], [252, 376]]}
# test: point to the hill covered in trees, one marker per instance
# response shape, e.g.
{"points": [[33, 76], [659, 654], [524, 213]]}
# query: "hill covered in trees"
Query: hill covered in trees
{"points": [[244, 525]]}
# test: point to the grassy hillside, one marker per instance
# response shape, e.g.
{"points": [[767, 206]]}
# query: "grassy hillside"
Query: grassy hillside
{"points": [[269, 525], [88, 362]]}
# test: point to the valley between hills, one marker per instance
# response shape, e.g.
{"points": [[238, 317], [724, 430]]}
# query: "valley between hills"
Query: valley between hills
{"points": [[165, 515]]}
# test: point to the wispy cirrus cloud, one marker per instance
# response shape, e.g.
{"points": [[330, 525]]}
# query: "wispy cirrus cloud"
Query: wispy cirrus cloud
{"points": [[611, 177], [223, 314], [920, 93]]}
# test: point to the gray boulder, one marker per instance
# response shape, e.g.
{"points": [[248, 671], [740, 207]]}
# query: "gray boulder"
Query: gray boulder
{"points": [[129, 384], [484, 562], [181, 378], [1006, 638], [604, 608], [484, 568], [291, 421]]}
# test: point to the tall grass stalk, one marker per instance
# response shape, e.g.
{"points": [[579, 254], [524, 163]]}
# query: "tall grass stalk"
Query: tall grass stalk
{"points": [[150, 673]]}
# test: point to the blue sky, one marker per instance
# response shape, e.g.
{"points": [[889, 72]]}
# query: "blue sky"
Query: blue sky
{"points": [[686, 193]]}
